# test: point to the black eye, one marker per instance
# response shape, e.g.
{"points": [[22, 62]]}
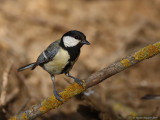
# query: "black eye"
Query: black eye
{"points": [[76, 37]]}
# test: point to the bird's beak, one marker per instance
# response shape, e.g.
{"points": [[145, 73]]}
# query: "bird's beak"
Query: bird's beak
{"points": [[85, 42]]}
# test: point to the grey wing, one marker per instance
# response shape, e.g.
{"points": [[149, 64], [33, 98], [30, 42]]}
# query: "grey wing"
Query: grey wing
{"points": [[48, 54]]}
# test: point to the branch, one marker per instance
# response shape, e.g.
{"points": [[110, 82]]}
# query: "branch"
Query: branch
{"points": [[75, 89]]}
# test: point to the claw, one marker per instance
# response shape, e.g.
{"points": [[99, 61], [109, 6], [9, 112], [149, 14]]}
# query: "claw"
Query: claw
{"points": [[80, 82], [57, 95]]}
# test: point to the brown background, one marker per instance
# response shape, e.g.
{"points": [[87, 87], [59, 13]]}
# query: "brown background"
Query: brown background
{"points": [[115, 28]]}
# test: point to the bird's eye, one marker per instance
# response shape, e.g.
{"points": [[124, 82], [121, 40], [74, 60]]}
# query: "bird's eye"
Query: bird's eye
{"points": [[76, 37]]}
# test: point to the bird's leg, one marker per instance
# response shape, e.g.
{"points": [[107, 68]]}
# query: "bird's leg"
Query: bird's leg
{"points": [[56, 94], [80, 82]]}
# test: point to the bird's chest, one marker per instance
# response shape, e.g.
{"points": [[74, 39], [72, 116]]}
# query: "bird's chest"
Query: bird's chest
{"points": [[58, 63]]}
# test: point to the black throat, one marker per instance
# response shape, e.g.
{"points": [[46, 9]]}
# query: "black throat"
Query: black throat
{"points": [[73, 52]]}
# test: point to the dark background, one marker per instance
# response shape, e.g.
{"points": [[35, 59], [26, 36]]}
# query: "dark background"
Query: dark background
{"points": [[115, 28]]}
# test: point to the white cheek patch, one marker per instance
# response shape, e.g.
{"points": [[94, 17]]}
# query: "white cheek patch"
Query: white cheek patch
{"points": [[70, 41]]}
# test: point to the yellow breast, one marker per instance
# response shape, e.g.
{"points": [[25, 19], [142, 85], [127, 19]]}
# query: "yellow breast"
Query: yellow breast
{"points": [[58, 63]]}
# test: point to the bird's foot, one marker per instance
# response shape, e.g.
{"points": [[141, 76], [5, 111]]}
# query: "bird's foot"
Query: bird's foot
{"points": [[80, 82], [57, 95]]}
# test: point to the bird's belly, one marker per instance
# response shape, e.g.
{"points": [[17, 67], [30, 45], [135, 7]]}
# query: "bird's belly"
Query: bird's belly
{"points": [[58, 63]]}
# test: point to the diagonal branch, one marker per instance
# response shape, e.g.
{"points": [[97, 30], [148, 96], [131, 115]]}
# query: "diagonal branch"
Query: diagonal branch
{"points": [[97, 77]]}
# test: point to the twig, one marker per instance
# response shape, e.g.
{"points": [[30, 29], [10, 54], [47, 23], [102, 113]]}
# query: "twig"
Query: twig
{"points": [[75, 89], [11, 96], [5, 83], [21, 78], [23, 105]]}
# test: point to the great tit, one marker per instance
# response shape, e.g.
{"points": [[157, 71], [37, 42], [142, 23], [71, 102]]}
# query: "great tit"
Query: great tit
{"points": [[60, 56]]}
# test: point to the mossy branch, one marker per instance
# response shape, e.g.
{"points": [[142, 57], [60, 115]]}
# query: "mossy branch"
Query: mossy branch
{"points": [[97, 77]]}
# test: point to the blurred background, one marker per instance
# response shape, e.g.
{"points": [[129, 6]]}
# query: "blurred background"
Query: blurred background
{"points": [[115, 29]]}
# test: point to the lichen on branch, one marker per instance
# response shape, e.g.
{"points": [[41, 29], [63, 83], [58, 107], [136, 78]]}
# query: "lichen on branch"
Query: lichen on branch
{"points": [[97, 77]]}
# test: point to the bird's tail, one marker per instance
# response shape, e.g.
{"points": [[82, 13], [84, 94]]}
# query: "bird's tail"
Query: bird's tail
{"points": [[26, 67]]}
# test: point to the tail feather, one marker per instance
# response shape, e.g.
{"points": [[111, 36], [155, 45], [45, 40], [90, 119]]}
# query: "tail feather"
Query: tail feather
{"points": [[26, 67]]}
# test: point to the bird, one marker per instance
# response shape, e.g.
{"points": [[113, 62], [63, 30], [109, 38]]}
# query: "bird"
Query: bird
{"points": [[60, 56]]}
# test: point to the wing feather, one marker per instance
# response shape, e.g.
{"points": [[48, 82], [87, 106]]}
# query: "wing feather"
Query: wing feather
{"points": [[50, 52]]}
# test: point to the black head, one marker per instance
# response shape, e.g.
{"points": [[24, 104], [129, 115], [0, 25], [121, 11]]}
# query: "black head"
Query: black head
{"points": [[73, 38]]}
